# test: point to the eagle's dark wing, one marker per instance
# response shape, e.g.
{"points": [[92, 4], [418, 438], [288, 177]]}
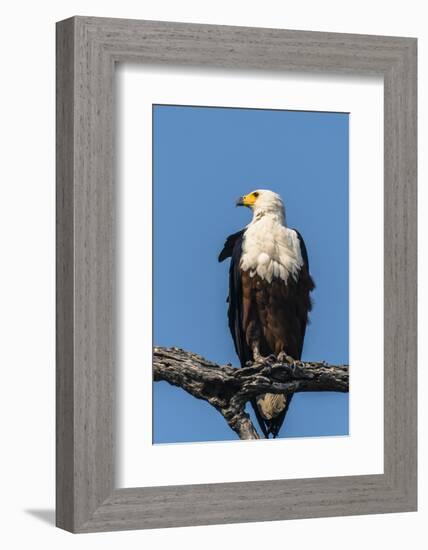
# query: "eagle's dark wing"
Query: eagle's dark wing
{"points": [[232, 249], [304, 287], [303, 250]]}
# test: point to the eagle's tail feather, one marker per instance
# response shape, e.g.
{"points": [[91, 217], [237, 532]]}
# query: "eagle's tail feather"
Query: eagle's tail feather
{"points": [[272, 425]]}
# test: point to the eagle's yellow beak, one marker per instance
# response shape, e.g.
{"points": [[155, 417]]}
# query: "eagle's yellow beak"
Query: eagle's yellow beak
{"points": [[247, 200]]}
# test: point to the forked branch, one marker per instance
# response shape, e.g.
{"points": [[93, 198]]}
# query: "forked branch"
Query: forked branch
{"points": [[228, 389]]}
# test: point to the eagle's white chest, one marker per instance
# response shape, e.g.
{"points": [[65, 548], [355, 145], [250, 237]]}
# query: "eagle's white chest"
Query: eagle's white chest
{"points": [[271, 250]]}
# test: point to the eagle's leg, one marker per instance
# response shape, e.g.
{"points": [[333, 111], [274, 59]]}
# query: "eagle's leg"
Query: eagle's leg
{"points": [[258, 357], [253, 337]]}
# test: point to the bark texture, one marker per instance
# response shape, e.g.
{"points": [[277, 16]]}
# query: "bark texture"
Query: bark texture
{"points": [[228, 389]]}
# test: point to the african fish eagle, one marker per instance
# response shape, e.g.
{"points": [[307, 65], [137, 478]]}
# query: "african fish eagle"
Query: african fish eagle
{"points": [[269, 294]]}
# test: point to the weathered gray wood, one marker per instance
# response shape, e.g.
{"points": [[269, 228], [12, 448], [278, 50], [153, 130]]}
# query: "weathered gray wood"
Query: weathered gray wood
{"points": [[228, 389], [86, 253], [64, 277], [86, 51]]}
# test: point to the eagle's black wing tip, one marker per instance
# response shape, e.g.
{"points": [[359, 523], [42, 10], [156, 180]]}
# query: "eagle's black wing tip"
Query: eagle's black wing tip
{"points": [[222, 256], [229, 245]]}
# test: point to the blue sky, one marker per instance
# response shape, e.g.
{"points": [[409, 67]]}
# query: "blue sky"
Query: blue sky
{"points": [[204, 158]]}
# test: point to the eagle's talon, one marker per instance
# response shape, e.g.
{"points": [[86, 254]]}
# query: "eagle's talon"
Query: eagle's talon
{"points": [[287, 359]]}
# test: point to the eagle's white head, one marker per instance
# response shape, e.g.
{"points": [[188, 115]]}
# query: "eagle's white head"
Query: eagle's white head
{"points": [[263, 201]]}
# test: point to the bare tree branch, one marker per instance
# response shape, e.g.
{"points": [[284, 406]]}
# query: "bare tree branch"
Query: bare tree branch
{"points": [[228, 389]]}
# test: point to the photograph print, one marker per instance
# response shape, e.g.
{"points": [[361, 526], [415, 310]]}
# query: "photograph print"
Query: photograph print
{"points": [[250, 273]]}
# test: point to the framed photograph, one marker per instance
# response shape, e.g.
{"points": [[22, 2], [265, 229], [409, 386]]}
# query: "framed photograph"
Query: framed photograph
{"points": [[236, 274]]}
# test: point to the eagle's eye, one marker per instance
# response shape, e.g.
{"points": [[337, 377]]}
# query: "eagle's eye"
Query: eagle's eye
{"points": [[256, 194]]}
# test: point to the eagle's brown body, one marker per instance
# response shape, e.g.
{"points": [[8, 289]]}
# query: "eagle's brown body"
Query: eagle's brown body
{"points": [[268, 311], [274, 315]]}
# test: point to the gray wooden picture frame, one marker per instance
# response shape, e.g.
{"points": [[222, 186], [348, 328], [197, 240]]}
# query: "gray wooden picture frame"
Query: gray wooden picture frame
{"points": [[87, 51]]}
